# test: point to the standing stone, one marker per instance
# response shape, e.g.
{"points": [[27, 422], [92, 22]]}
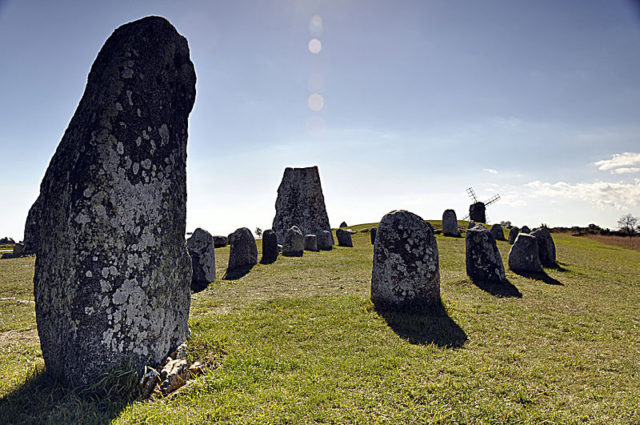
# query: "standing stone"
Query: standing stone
{"points": [[373, 235], [220, 241], [344, 238], [471, 225], [450, 223], [310, 243], [343, 224], [244, 251], [546, 247], [293, 245], [477, 212], [31, 227], [203, 259], [513, 234], [18, 250], [523, 256], [269, 246], [300, 203], [406, 273], [525, 229], [325, 240], [497, 232], [112, 273], [484, 262]]}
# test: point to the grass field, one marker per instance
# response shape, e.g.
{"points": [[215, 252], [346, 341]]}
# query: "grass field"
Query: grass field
{"points": [[298, 341]]}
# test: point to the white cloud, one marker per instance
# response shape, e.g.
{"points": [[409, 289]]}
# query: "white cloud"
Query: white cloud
{"points": [[618, 195], [619, 160], [490, 170], [625, 170]]}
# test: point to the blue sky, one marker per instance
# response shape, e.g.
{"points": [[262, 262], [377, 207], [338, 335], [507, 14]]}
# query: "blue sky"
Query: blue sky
{"points": [[536, 100]]}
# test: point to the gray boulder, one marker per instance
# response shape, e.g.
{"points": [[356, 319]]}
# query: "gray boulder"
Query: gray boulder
{"points": [[373, 235], [513, 234], [310, 243], [450, 223], [244, 251], [523, 256], [269, 246], [203, 259], [293, 245], [483, 259], [546, 247], [406, 273], [497, 232], [344, 237], [300, 203], [220, 241], [112, 273], [325, 240]]}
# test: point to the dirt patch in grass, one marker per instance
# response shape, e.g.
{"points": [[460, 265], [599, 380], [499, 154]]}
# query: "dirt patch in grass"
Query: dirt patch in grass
{"points": [[621, 241]]}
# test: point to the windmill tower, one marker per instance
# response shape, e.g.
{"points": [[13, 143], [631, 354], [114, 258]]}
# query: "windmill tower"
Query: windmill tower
{"points": [[477, 210]]}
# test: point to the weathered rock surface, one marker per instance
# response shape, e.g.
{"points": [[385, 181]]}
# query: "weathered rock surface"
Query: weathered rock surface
{"points": [[513, 234], [269, 246], [525, 229], [293, 245], [112, 273], [203, 259], [310, 243], [373, 235], [300, 203], [450, 223], [18, 250], [523, 256], [471, 224], [244, 251], [406, 272], [31, 228], [484, 262], [325, 240], [546, 247], [477, 212], [220, 241], [497, 232], [344, 238]]}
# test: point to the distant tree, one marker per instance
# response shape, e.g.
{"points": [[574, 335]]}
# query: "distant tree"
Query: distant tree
{"points": [[7, 240], [627, 224], [258, 231], [506, 224]]}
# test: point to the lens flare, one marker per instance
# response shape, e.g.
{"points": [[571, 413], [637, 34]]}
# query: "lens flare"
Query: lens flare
{"points": [[315, 102], [315, 46], [315, 26]]}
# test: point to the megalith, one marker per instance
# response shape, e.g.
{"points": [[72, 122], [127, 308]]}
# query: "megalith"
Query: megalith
{"points": [[471, 224], [373, 235], [477, 212], [525, 229], [406, 272], [497, 232], [31, 227], [450, 223], [112, 275], [243, 252], [325, 240], [523, 256], [513, 234], [300, 203], [220, 241], [203, 259], [310, 243], [293, 245], [269, 246], [483, 259], [344, 238], [343, 224], [546, 247]]}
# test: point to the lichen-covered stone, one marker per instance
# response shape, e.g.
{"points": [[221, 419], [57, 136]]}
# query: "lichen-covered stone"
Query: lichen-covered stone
{"points": [[497, 232], [477, 212], [406, 273], [220, 241], [293, 245], [300, 203], [484, 262], [373, 235], [203, 259], [269, 246], [546, 247], [344, 238], [523, 256], [310, 243], [112, 273], [513, 234], [243, 251], [450, 223], [325, 240]]}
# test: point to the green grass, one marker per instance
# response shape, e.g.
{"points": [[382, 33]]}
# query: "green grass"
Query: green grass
{"points": [[298, 341]]}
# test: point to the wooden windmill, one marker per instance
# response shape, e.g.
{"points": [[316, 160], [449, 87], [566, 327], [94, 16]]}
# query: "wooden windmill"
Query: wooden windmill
{"points": [[477, 210]]}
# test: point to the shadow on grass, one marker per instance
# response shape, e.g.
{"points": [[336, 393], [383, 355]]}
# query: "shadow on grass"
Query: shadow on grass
{"points": [[268, 260], [498, 289], [41, 400], [559, 267], [237, 273], [541, 276], [426, 328]]}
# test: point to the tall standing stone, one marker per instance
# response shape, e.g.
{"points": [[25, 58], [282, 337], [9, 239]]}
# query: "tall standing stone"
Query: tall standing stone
{"points": [[344, 238], [477, 212], [293, 245], [546, 247], [406, 272], [497, 232], [325, 240], [31, 227], [373, 235], [450, 223], [244, 251], [513, 234], [484, 262], [112, 272], [203, 259], [269, 246], [300, 203], [523, 256]]}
